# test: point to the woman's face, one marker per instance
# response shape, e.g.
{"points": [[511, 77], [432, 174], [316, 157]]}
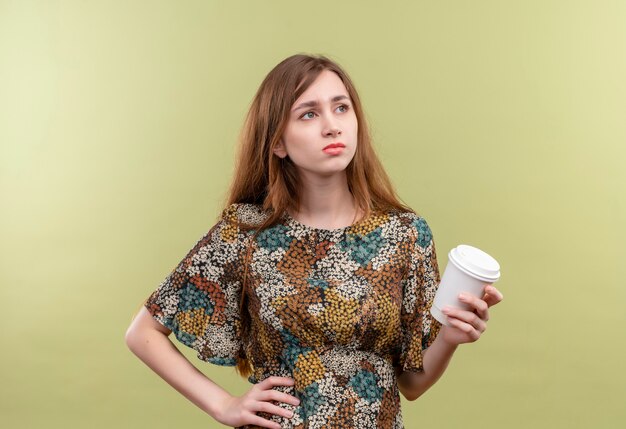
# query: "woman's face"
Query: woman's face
{"points": [[322, 116]]}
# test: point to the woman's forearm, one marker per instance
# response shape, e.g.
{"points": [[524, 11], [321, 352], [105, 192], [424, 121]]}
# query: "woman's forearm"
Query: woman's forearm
{"points": [[435, 360], [157, 351]]}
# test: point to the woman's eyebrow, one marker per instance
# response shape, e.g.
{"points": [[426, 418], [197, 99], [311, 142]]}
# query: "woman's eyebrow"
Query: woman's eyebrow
{"points": [[314, 103]]}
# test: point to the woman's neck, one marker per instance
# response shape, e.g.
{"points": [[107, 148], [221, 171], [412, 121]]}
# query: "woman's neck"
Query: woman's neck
{"points": [[327, 204]]}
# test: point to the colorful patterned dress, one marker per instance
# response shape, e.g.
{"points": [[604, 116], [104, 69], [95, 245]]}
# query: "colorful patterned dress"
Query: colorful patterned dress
{"points": [[335, 310]]}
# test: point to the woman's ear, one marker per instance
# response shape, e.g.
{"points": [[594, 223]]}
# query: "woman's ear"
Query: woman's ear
{"points": [[279, 149]]}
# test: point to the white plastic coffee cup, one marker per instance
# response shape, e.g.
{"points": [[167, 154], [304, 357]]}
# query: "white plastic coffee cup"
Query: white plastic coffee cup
{"points": [[468, 271]]}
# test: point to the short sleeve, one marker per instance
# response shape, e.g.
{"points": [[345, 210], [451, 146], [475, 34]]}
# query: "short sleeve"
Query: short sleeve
{"points": [[199, 300], [419, 328]]}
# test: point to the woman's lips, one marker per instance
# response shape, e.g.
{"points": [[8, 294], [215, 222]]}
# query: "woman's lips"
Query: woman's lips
{"points": [[334, 148]]}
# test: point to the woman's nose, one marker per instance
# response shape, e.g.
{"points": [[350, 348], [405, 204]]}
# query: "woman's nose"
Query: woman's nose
{"points": [[332, 131], [331, 127]]}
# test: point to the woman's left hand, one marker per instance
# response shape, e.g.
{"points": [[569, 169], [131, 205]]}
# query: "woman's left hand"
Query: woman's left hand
{"points": [[466, 326]]}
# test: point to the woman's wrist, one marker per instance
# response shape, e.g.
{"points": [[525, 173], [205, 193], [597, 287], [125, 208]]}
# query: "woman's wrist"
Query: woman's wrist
{"points": [[216, 399], [447, 340]]}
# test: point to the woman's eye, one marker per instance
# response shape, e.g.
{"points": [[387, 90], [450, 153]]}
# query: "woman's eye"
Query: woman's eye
{"points": [[345, 107]]}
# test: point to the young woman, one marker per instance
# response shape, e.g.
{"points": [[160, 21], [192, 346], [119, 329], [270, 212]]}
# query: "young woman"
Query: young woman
{"points": [[316, 281]]}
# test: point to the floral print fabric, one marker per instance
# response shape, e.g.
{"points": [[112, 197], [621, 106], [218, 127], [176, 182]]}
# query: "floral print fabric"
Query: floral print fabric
{"points": [[335, 310]]}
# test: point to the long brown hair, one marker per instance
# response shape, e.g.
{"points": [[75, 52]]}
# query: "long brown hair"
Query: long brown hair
{"points": [[263, 178]]}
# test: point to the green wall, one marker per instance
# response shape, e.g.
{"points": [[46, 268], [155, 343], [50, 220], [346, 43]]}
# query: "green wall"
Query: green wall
{"points": [[501, 122]]}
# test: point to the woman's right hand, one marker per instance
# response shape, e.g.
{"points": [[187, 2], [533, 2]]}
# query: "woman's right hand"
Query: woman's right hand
{"points": [[239, 411]]}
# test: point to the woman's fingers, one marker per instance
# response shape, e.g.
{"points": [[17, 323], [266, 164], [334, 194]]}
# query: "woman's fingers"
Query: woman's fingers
{"points": [[468, 318], [471, 332], [471, 322], [275, 395], [260, 399], [492, 295], [264, 423], [267, 397], [274, 409], [267, 393], [274, 380], [481, 308]]}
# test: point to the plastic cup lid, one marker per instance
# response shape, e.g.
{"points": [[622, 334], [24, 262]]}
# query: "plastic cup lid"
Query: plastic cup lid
{"points": [[475, 262]]}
